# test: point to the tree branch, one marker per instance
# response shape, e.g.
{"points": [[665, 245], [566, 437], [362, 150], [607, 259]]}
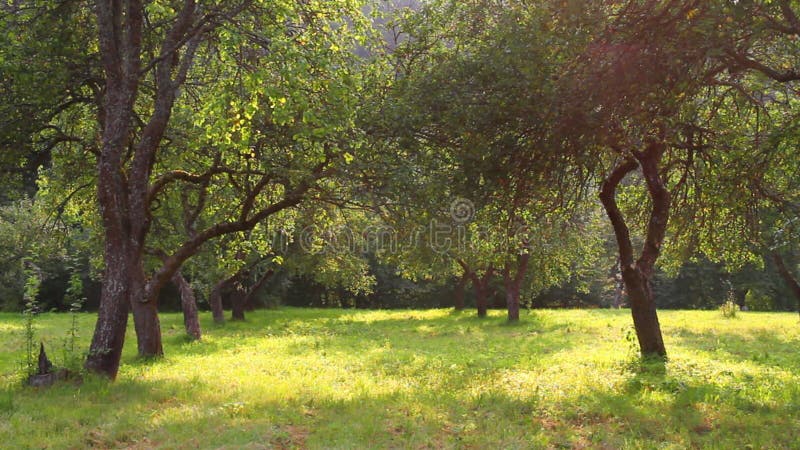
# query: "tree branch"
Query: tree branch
{"points": [[608, 193]]}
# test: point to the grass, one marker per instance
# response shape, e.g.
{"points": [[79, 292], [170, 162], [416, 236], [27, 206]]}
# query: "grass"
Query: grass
{"points": [[310, 378]]}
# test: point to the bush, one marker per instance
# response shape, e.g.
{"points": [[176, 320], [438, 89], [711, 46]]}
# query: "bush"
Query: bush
{"points": [[757, 301], [729, 309]]}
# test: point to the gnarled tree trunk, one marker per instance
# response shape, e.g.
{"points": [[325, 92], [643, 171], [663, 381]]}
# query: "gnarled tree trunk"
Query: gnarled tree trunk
{"points": [[123, 290], [148, 329], [112, 316], [189, 305], [123, 173], [144, 306], [638, 274]]}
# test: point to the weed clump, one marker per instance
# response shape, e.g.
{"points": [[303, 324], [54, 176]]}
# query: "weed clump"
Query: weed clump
{"points": [[729, 309]]}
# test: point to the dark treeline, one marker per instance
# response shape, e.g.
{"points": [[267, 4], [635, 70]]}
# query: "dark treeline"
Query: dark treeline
{"points": [[697, 285]]}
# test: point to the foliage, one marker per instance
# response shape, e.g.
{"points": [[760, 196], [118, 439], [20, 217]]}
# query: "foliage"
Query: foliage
{"points": [[33, 278], [48, 76], [755, 300], [471, 123], [73, 357], [27, 236]]}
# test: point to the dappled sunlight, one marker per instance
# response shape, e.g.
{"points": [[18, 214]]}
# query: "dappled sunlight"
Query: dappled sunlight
{"points": [[316, 379], [8, 327]]}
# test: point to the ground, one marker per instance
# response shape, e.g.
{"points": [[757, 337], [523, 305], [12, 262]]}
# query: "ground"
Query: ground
{"points": [[311, 378]]}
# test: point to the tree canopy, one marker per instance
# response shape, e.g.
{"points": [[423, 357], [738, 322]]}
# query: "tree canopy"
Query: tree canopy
{"points": [[229, 148]]}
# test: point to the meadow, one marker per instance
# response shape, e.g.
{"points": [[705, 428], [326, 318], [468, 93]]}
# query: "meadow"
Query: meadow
{"points": [[312, 378]]}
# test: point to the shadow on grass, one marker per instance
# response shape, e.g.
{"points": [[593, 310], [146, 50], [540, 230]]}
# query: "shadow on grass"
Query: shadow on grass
{"points": [[759, 347], [444, 374], [653, 406], [349, 330]]}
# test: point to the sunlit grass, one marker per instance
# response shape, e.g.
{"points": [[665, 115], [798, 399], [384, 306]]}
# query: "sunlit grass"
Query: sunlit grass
{"points": [[306, 378]]}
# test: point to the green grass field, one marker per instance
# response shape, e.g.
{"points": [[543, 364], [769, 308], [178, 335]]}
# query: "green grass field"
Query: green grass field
{"points": [[309, 378]]}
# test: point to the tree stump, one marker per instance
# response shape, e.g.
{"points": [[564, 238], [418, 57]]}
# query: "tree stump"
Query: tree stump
{"points": [[46, 375]]}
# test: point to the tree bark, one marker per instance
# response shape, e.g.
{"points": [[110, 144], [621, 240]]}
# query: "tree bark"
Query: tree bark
{"points": [[238, 302], [512, 301], [249, 299], [215, 301], [123, 191], [105, 350], [148, 329], [637, 274], [144, 307], [481, 302], [513, 285], [115, 117], [788, 277], [189, 305], [481, 285]]}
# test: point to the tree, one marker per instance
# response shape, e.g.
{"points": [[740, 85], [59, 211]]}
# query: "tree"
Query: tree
{"points": [[45, 71], [243, 103], [767, 52], [741, 196], [634, 94], [473, 104]]}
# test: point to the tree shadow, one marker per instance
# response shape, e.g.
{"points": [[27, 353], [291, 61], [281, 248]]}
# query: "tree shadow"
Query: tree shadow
{"points": [[758, 347], [661, 405], [406, 381]]}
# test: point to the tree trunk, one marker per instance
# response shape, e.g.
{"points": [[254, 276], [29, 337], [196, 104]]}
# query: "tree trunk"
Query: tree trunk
{"points": [[144, 307], [123, 278], [481, 302], [637, 274], [787, 276], [215, 301], [481, 285], [112, 316], [249, 299], [512, 302], [238, 297], [148, 329], [513, 285], [643, 309], [189, 306], [123, 290], [458, 295]]}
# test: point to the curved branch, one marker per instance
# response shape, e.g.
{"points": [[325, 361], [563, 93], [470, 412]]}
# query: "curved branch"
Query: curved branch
{"points": [[747, 63], [659, 214], [608, 193], [192, 246], [180, 175]]}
